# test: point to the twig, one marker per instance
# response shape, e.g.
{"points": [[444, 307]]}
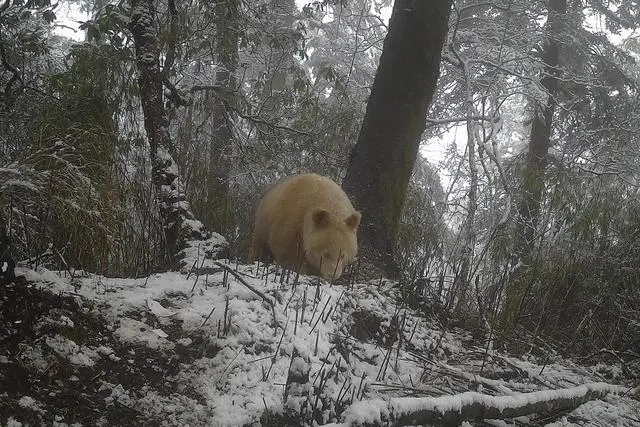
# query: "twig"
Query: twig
{"points": [[321, 313], [210, 313], [273, 359], [192, 268], [230, 363], [360, 386], [244, 282], [226, 326], [254, 290]]}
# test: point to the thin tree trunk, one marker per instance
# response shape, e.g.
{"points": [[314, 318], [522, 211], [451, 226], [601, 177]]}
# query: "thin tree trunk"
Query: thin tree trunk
{"points": [[174, 209], [226, 52], [468, 235], [7, 263], [382, 160]]}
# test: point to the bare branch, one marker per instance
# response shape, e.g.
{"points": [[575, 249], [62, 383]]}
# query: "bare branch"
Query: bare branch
{"points": [[222, 91], [458, 119]]}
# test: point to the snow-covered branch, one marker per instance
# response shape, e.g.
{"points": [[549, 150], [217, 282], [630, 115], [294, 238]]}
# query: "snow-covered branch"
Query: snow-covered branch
{"points": [[452, 410]]}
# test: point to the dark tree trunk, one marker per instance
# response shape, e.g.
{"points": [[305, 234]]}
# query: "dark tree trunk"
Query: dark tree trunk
{"points": [[383, 158], [174, 209], [226, 52], [7, 263], [533, 173], [533, 180]]}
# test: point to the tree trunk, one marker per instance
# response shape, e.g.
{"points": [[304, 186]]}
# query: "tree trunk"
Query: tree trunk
{"points": [[468, 235], [226, 59], [382, 160], [7, 263], [533, 174], [533, 179], [467, 232], [177, 220]]}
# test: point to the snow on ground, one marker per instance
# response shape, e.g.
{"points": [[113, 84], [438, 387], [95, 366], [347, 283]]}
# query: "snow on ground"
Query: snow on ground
{"points": [[199, 347]]}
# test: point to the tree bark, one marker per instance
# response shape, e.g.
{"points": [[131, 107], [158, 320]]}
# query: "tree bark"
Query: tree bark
{"points": [[533, 173], [382, 160], [178, 222], [226, 58]]}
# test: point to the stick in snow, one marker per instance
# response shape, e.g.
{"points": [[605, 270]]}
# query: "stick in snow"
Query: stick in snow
{"points": [[254, 290]]}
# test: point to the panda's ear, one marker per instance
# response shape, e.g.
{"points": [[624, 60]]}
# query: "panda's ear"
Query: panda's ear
{"points": [[353, 220], [320, 218]]}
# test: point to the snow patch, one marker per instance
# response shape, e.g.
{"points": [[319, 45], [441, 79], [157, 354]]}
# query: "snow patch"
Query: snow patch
{"points": [[158, 310], [69, 350], [134, 332], [28, 402]]}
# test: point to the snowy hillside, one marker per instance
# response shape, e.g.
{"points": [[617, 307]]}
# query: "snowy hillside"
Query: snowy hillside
{"points": [[222, 344]]}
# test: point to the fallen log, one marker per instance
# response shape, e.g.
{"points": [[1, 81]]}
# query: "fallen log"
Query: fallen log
{"points": [[452, 410]]}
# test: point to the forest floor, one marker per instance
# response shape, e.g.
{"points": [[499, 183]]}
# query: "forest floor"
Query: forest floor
{"points": [[213, 346]]}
